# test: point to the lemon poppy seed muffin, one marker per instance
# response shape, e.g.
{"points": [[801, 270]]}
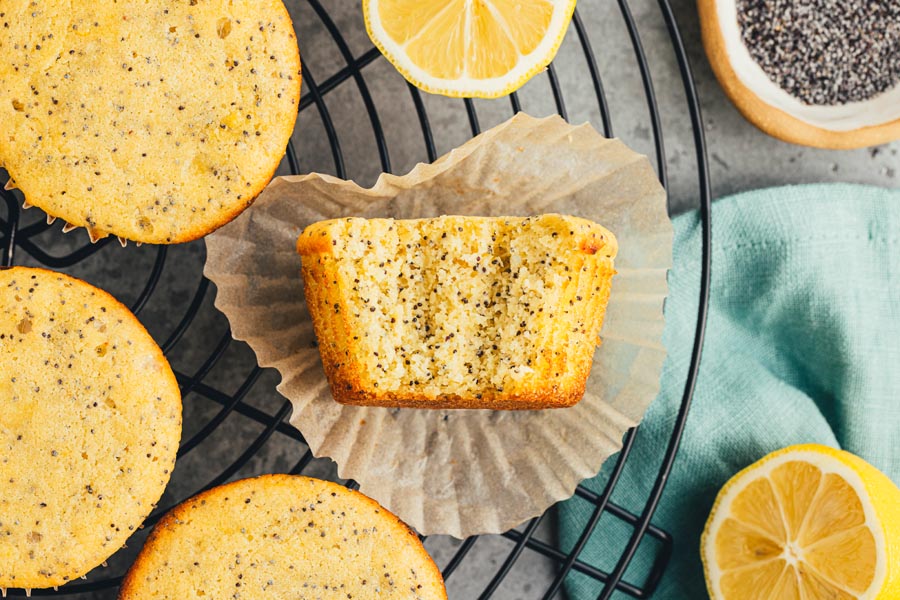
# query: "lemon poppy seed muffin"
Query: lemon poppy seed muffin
{"points": [[282, 536], [156, 121], [458, 312], [90, 421]]}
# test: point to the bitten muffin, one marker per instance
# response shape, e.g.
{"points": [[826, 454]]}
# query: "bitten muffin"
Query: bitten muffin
{"points": [[90, 421], [282, 536], [155, 121], [458, 312]]}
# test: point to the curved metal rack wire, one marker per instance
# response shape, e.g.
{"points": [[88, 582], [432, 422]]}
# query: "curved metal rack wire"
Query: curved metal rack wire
{"points": [[19, 235]]}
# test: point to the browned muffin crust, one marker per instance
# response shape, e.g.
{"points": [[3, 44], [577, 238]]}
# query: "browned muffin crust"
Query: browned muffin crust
{"points": [[282, 536]]}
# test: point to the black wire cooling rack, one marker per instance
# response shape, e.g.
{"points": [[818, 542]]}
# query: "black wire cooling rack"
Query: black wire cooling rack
{"points": [[235, 422]]}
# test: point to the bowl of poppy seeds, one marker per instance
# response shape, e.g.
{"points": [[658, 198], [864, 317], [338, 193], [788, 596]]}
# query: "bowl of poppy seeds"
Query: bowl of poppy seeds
{"points": [[825, 52], [817, 72]]}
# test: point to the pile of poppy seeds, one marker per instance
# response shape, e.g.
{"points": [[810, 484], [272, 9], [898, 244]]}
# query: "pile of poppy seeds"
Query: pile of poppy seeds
{"points": [[825, 52]]}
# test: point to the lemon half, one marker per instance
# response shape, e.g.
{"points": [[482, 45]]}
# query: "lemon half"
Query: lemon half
{"points": [[468, 48], [804, 523]]}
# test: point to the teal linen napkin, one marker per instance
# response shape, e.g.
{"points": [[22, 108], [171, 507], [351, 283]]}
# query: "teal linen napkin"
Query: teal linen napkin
{"points": [[802, 345]]}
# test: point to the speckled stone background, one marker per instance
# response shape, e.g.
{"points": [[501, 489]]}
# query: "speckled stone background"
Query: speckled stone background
{"points": [[741, 158]]}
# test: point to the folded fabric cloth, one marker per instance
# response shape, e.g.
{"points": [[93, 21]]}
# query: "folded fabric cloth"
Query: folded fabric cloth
{"points": [[802, 345]]}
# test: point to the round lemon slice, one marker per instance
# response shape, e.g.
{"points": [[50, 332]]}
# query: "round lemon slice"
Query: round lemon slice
{"points": [[804, 523], [468, 48]]}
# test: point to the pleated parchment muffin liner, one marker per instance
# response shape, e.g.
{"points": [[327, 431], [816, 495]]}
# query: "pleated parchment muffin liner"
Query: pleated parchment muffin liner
{"points": [[93, 235], [463, 472]]}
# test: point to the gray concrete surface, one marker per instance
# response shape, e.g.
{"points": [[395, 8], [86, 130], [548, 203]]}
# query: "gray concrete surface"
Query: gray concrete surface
{"points": [[741, 158]]}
